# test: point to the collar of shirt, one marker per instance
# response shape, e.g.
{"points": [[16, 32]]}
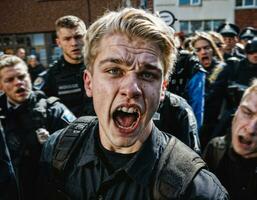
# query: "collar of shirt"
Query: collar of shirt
{"points": [[136, 168], [12, 105]]}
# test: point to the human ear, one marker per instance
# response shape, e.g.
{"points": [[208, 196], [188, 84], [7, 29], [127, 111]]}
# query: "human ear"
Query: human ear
{"points": [[87, 77]]}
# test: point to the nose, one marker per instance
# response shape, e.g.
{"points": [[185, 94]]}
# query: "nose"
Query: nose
{"points": [[74, 41], [252, 127], [131, 86]]}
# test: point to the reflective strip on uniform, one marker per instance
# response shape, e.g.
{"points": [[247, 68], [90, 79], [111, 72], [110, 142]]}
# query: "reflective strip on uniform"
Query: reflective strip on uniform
{"points": [[69, 91]]}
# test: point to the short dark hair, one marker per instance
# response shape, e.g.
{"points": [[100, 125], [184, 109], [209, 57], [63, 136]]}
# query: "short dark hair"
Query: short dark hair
{"points": [[69, 21]]}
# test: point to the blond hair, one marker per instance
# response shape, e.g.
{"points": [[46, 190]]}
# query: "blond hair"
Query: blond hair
{"points": [[251, 89], [207, 37], [134, 23], [10, 61]]}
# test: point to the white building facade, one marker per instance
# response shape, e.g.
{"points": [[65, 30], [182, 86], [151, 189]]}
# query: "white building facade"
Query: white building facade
{"points": [[200, 15]]}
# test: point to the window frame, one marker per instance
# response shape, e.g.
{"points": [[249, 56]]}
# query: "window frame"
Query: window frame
{"points": [[191, 3], [243, 2]]}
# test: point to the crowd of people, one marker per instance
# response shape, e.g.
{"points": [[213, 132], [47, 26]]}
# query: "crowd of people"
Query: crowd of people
{"points": [[131, 110]]}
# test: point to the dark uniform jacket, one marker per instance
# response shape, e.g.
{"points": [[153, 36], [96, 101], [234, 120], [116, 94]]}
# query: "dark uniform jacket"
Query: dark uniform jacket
{"points": [[8, 187], [188, 81], [228, 86], [19, 126], [175, 116], [235, 53], [238, 175], [65, 81], [90, 176]]}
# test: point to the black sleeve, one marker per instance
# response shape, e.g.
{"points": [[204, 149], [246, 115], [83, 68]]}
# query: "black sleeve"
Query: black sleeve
{"points": [[206, 186]]}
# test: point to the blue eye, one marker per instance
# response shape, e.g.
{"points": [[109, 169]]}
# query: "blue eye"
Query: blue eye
{"points": [[147, 76], [115, 71]]}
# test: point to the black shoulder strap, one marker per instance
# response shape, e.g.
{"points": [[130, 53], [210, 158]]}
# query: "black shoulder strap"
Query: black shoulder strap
{"points": [[177, 168], [70, 139]]}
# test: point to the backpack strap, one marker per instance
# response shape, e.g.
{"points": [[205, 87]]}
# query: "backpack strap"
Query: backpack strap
{"points": [[176, 169], [70, 140]]}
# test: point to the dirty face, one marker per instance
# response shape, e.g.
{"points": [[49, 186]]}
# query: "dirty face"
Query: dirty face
{"points": [[244, 127], [204, 52], [16, 83], [125, 83]]}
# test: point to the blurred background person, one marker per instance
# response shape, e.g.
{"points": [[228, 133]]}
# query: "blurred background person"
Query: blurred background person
{"points": [[233, 157], [211, 60], [227, 90], [21, 53], [230, 34], [35, 67], [247, 34]]}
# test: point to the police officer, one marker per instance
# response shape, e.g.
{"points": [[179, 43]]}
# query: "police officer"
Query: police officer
{"points": [[28, 120], [64, 77], [230, 84], [8, 186], [230, 34], [247, 34], [233, 158]]}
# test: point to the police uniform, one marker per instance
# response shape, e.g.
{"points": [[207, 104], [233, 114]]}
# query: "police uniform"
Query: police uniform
{"points": [[248, 33], [175, 116], [65, 81], [8, 187], [229, 86], [20, 124], [230, 30]]}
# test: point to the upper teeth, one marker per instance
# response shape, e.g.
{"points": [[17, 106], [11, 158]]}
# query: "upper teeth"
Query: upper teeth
{"points": [[128, 110]]}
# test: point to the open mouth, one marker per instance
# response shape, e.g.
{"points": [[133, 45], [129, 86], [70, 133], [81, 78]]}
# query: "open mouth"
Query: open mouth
{"points": [[126, 118], [20, 90], [244, 141]]}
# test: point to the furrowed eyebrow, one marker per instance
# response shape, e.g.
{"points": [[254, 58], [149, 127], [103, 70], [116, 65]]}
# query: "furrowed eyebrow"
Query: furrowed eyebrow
{"points": [[111, 60]]}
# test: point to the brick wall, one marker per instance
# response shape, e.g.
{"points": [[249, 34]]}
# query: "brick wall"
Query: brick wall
{"points": [[246, 17]]}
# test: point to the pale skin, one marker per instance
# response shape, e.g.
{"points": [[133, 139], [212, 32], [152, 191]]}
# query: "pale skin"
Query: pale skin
{"points": [[16, 83], [244, 127], [71, 43], [126, 75], [204, 52]]}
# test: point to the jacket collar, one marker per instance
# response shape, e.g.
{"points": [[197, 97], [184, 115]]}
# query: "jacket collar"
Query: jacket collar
{"points": [[141, 166]]}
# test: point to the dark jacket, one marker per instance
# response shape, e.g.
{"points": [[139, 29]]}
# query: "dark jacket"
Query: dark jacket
{"points": [[229, 87], [175, 116], [20, 125], [188, 81], [65, 81], [238, 175], [88, 175], [8, 186]]}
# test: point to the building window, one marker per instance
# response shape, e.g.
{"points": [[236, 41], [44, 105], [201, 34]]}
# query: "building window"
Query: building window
{"points": [[246, 3], [189, 2], [199, 25]]}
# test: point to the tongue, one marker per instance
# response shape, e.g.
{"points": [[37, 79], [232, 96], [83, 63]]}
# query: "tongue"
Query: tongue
{"points": [[125, 119]]}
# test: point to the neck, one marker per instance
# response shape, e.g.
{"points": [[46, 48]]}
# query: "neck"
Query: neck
{"points": [[72, 61]]}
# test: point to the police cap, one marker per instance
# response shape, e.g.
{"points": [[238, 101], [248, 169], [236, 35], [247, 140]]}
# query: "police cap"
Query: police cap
{"points": [[251, 46], [228, 29], [248, 33]]}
